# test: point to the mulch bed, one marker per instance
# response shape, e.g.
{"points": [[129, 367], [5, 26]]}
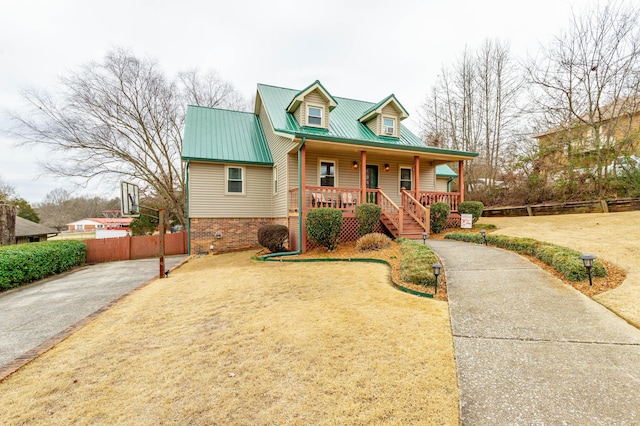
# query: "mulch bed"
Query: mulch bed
{"points": [[393, 255], [615, 276]]}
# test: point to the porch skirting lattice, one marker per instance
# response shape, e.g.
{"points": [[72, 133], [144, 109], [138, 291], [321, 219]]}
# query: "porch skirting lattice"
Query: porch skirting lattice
{"points": [[349, 230]]}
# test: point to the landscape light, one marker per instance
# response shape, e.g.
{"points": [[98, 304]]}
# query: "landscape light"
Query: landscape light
{"points": [[484, 236], [424, 238], [436, 271], [587, 260]]}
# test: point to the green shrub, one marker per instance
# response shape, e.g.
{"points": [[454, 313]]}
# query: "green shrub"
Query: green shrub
{"points": [[474, 208], [564, 260], [439, 215], [368, 215], [416, 263], [273, 237], [24, 263], [323, 226], [373, 241]]}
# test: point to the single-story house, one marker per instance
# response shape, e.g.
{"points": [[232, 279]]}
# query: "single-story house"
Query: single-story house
{"points": [[98, 223], [302, 149], [31, 232]]}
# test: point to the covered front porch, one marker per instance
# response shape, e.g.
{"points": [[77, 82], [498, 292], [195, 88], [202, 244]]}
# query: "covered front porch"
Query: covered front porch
{"points": [[402, 185]]}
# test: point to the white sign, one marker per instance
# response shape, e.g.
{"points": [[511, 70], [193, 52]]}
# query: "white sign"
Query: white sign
{"points": [[466, 221]]}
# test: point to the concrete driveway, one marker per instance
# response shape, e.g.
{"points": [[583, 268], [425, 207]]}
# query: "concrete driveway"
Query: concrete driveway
{"points": [[531, 350], [33, 314]]}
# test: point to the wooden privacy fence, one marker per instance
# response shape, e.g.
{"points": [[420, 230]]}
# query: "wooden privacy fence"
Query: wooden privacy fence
{"points": [[592, 206], [131, 248]]}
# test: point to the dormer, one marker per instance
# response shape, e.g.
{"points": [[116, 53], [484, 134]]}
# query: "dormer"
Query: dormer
{"points": [[311, 106], [384, 118]]}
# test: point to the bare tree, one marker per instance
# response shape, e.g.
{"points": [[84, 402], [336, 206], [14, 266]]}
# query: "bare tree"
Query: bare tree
{"points": [[587, 83], [60, 207], [210, 90], [122, 118], [6, 190], [473, 107]]}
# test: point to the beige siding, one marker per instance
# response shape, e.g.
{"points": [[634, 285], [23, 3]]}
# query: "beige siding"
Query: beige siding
{"points": [[390, 112], [279, 147], [374, 125], [298, 114], [293, 170], [208, 200], [441, 184], [428, 178], [315, 98], [345, 175]]}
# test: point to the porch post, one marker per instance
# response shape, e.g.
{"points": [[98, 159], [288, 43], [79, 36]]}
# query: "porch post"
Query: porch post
{"points": [[416, 167], [303, 193], [363, 175], [461, 179]]}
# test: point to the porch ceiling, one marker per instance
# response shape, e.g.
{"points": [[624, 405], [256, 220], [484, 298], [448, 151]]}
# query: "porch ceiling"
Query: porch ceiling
{"points": [[435, 155]]}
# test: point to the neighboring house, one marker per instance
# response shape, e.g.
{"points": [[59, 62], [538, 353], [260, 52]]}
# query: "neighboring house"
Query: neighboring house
{"points": [[612, 131], [95, 223], [31, 232], [304, 149]]}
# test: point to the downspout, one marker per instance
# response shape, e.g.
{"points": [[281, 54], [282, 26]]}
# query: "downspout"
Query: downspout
{"points": [[449, 184], [300, 191]]}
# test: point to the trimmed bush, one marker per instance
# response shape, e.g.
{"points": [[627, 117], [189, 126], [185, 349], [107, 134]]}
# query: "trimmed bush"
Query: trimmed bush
{"points": [[564, 260], [368, 215], [439, 215], [373, 241], [475, 208], [24, 263], [273, 237], [416, 263], [323, 226]]}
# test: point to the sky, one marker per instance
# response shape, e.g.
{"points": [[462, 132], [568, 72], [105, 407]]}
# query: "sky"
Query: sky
{"points": [[358, 49]]}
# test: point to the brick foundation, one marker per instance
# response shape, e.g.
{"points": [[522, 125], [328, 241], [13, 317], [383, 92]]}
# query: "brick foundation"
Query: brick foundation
{"points": [[227, 234]]}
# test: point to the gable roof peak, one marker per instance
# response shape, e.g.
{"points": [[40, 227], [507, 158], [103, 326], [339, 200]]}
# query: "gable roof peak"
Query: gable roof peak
{"points": [[376, 109], [299, 97]]}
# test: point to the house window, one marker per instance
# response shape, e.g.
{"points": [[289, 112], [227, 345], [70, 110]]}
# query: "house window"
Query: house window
{"points": [[388, 126], [406, 178], [275, 180], [327, 173], [79, 227], [314, 116], [235, 180]]}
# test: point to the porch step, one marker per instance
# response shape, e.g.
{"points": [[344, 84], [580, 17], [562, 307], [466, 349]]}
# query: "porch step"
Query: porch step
{"points": [[411, 229]]}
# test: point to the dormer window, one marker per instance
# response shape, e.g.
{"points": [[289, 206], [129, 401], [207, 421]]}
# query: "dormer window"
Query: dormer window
{"points": [[388, 126], [314, 116]]}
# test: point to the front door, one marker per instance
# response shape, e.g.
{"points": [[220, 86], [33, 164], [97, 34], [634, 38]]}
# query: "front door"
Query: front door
{"points": [[372, 183]]}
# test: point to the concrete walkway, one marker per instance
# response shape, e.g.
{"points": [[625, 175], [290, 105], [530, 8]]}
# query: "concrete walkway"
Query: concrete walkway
{"points": [[531, 350], [31, 315]]}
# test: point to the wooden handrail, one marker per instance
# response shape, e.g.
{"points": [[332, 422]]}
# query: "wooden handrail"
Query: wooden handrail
{"points": [[390, 210], [420, 213]]}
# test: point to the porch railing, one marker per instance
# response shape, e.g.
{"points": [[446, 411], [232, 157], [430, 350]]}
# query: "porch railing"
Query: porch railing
{"points": [[428, 198], [390, 209], [420, 213], [345, 199]]}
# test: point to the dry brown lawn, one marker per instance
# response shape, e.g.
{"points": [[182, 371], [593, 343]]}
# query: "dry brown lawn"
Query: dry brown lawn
{"points": [[614, 237], [228, 340]]}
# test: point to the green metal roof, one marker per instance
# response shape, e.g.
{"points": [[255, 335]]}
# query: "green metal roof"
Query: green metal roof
{"points": [[344, 126], [443, 170], [225, 136]]}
